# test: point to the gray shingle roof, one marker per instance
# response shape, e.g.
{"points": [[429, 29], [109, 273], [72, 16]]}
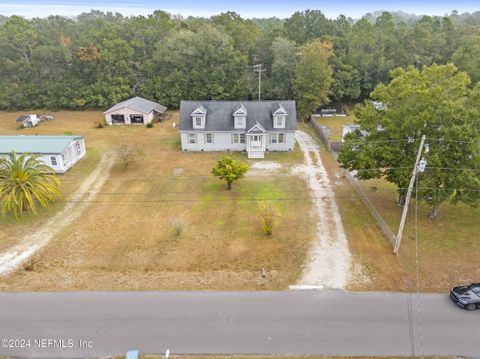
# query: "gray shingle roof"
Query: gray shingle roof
{"points": [[220, 114], [139, 104]]}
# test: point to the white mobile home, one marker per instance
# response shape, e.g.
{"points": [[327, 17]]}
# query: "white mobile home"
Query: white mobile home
{"points": [[135, 111], [58, 152], [251, 126]]}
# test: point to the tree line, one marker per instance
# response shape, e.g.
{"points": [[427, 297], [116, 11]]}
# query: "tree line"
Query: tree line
{"points": [[97, 59]]}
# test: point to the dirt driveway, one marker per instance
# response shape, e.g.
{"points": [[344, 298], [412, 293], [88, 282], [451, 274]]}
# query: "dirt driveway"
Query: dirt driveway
{"points": [[330, 260], [13, 257]]}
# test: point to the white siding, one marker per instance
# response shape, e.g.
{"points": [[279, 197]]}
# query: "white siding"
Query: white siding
{"points": [[127, 111], [289, 144], [222, 141], [70, 153]]}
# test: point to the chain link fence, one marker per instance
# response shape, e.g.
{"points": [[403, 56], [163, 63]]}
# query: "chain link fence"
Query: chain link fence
{"points": [[323, 133]]}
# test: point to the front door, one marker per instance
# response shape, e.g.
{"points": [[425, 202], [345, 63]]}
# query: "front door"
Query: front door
{"points": [[256, 141]]}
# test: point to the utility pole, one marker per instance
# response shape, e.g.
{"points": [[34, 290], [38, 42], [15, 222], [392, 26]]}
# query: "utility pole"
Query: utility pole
{"points": [[396, 248], [259, 68]]}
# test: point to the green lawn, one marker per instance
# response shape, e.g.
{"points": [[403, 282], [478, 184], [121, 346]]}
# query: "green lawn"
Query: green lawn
{"points": [[335, 124]]}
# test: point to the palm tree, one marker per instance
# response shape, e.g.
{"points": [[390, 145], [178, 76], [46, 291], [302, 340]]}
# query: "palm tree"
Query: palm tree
{"points": [[26, 183]]}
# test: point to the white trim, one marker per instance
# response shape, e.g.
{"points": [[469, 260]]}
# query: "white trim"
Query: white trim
{"points": [[256, 126], [239, 122], [131, 108], [231, 131], [207, 134], [237, 138], [276, 136], [277, 123], [280, 110]]}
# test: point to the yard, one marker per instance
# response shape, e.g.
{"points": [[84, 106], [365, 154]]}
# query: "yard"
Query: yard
{"points": [[335, 123], [448, 247], [125, 239]]}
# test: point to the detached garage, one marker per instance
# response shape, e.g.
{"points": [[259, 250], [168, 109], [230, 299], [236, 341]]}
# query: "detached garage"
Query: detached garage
{"points": [[135, 111]]}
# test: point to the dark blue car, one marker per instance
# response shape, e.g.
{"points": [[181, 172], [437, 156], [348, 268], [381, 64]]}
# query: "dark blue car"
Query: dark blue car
{"points": [[467, 296]]}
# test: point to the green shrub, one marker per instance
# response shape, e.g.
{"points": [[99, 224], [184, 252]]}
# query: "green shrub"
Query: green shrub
{"points": [[149, 125], [178, 224], [99, 124], [68, 133], [267, 213]]}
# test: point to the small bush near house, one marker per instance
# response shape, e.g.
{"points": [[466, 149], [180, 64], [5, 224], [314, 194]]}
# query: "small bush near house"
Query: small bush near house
{"points": [[267, 213], [68, 133], [149, 125], [99, 124], [178, 225]]}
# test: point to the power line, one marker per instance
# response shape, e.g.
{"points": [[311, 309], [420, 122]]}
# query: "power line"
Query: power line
{"points": [[266, 199], [445, 140], [259, 68]]}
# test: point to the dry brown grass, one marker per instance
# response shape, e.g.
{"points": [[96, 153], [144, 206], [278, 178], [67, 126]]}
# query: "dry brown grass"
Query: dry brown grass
{"points": [[125, 239], [448, 247]]}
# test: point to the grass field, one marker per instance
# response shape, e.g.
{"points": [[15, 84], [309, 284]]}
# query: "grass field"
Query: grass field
{"points": [[448, 247], [125, 239], [335, 123]]}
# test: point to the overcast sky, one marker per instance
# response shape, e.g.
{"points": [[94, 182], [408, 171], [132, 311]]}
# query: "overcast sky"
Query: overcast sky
{"points": [[246, 8]]}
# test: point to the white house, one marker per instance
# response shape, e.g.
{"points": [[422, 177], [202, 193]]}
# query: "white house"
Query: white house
{"points": [[58, 152], [135, 111], [251, 126]]}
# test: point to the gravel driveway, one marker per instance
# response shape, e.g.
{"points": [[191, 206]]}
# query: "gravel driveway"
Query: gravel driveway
{"points": [[330, 260]]}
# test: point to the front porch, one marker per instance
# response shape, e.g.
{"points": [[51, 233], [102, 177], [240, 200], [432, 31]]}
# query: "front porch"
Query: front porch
{"points": [[256, 141]]}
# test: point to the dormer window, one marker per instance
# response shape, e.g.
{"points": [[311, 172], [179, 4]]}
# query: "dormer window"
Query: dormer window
{"points": [[240, 122], [198, 117], [240, 117], [279, 116], [279, 121]]}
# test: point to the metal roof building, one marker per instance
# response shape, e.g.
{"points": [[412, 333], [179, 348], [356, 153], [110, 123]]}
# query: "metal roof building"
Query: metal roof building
{"points": [[136, 110], [58, 152]]}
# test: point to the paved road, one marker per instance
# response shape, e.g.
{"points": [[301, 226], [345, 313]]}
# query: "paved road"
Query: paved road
{"points": [[295, 322]]}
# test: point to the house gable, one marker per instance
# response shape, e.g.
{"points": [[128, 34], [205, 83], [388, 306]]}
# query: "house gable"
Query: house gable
{"points": [[199, 117], [279, 117], [240, 117], [219, 115], [256, 128]]}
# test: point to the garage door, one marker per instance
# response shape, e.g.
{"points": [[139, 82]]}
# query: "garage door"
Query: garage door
{"points": [[136, 118], [118, 118]]}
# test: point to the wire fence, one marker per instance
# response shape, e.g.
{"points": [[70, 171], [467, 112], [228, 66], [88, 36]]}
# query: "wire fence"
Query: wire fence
{"points": [[323, 133]]}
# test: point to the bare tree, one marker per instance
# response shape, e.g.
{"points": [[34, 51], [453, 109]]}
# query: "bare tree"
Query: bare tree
{"points": [[127, 154]]}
